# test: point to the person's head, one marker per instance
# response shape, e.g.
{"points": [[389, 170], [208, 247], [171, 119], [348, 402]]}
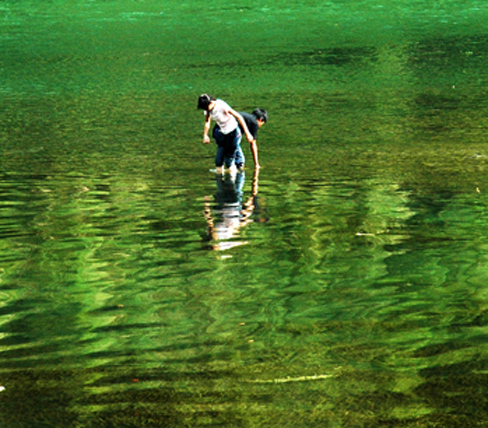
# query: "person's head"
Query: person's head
{"points": [[204, 101], [261, 116]]}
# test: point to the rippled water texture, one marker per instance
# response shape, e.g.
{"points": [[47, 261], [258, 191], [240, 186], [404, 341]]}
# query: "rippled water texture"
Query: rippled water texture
{"points": [[342, 286]]}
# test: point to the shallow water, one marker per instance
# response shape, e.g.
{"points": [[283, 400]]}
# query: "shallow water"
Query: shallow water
{"points": [[342, 286]]}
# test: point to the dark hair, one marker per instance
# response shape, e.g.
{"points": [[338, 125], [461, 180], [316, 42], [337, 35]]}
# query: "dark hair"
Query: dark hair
{"points": [[261, 114], [204, 101]]}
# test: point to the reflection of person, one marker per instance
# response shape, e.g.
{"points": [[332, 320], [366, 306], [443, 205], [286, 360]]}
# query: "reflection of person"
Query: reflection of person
{"points": [[228, 134], [229, 214], [254, 121]]}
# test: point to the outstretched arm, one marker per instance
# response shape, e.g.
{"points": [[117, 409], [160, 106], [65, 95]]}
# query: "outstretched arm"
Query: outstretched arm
{"points": [[254, 151], [206, 128]]}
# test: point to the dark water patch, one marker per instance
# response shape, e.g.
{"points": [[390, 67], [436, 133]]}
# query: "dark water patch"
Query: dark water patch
{"points": [[451, 379], [449, 50], [437, 102], [328, 56]]}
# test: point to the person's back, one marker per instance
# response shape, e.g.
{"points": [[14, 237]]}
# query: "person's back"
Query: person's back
{"points": [[251, 122], [221, 116]]}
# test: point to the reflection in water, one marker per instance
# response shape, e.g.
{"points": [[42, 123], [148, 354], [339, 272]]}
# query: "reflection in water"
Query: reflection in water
{"points": [[229, 213], [363, 304]]}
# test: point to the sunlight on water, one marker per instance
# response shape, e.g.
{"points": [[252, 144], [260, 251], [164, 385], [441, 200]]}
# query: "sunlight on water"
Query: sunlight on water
{"points": [[342, 286]]}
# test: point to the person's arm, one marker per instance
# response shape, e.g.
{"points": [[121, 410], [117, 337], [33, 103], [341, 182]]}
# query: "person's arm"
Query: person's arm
{"points": [[254, 151], [206, 128], [242, 122]]}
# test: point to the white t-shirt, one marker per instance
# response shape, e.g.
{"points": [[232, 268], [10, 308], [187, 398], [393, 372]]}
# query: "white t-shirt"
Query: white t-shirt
{"points": [[220, 114]]}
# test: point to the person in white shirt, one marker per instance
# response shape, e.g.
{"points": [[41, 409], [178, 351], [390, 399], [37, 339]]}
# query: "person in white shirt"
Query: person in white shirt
{"points": [[228, 134]]}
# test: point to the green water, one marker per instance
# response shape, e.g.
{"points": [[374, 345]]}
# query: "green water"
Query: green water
{"points": [[343, 286]]}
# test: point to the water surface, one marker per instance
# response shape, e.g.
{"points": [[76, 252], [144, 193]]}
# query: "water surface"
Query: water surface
{"points": [[342, 286]]}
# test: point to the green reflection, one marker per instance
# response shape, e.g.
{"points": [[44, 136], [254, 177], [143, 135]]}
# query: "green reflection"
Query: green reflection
{"points": [[351, 290]]}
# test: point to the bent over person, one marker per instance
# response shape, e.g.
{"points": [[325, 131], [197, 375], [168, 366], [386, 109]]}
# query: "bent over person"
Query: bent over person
{"points": [[228, 133], [254, 121]]}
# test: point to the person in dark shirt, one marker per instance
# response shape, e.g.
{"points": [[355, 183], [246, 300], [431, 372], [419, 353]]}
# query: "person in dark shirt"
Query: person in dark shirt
{"points": [[254, 121]]}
